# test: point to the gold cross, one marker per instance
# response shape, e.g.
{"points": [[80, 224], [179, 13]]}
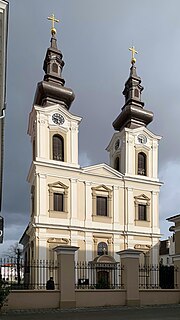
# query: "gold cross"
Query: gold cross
{"points": [[53, 19], [133, 59]]}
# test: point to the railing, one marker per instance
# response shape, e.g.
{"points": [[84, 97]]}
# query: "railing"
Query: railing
{"points": [[90, 275], [157, 277], [19, 275]]}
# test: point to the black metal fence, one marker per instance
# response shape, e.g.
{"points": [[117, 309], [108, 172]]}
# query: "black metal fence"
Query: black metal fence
{"points": [[19, 275], [90, 275], [157, 277]]}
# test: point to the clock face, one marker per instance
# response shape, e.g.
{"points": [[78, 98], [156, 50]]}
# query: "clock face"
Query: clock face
{"points": [[142, 139], [58, 118]]}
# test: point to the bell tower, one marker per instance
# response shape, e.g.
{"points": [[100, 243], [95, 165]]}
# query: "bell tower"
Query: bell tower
{"points": [[52, 127], [133, 148]]}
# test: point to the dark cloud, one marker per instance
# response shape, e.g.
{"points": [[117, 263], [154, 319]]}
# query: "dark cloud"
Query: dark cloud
{"points": [[94, 37]]}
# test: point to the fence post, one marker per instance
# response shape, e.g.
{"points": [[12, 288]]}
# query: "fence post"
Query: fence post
{"points": [[130, 275], [66, 275]]}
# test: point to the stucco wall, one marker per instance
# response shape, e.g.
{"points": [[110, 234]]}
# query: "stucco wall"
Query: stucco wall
{"points": [[33, 299], [153, 297], [95, 298]]}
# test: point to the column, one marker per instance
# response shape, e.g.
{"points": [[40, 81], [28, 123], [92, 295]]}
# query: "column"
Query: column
{"points": [[130, 275], [66, 275]]}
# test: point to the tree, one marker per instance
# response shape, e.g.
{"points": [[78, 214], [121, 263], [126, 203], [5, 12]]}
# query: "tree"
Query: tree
{"points": [[14, 253]]}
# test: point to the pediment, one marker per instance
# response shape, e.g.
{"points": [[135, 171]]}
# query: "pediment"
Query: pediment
{"points": [[144, 130], [58, 184], [102, 170], [142, 197], [102, 187], [56, 108]]}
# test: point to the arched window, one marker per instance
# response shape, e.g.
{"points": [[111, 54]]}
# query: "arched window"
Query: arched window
{"points": [[55, 67], [142, 163], [102, 248], [58, 148], [116, 164]]}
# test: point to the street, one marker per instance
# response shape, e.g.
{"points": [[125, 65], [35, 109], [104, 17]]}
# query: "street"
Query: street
{"points": [[166, 312]]}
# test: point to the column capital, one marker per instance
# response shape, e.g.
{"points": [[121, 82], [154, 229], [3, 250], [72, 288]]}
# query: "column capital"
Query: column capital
{"points": [[88, 183], [73, 180]]}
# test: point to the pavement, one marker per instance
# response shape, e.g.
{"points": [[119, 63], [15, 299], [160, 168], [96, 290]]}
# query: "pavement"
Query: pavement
{"points": [[164, 312]]}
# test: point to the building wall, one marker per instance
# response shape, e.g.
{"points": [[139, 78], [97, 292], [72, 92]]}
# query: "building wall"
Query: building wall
{"points": [[78, 224]]}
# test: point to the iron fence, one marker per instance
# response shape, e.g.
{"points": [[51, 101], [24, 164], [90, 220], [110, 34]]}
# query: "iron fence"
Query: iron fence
{"points": [[158, 277], [19, 274], [90, 275]]}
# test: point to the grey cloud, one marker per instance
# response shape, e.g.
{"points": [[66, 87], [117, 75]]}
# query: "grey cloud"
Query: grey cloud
{"points": [[95, 46]]}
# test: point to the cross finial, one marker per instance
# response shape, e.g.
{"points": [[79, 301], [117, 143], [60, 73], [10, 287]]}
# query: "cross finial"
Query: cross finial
{"points": [[133, 59], [53, 19]]}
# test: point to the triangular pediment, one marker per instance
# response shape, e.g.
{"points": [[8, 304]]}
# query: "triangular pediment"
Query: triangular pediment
{"points": [[102, 170], [58, 184], [142, 197], [102, 187]]}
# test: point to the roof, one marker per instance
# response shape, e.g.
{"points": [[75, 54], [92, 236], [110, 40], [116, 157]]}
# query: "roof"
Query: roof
{"points": [[174, 218]]}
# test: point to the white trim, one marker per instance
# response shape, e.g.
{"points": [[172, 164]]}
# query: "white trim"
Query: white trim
{"points": [[91, 229]]}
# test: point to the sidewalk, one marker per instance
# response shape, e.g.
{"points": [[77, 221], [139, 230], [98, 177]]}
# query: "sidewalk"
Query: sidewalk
{"points": [[166, 312]]}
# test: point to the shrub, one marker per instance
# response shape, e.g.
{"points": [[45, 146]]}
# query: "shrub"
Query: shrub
{"points": [[4, 291]]}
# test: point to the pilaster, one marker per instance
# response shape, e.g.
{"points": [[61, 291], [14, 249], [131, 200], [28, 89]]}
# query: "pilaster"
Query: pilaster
{"points": [[89, 247], [73, 201], [88, 204], [116, 207], [41, 195]]}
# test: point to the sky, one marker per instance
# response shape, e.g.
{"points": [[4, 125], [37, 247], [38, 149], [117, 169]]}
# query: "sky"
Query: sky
{"points": [[94, 37]]}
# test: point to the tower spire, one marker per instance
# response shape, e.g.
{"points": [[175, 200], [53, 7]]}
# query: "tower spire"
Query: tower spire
{"points": [[52, 90], [133, 114]]}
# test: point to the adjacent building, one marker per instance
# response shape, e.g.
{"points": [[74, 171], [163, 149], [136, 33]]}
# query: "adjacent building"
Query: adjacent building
{"points": [[166, 251], [101, 208]]}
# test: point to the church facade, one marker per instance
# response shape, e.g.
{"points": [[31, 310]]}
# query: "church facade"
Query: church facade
{"points": [[102, 208]]}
